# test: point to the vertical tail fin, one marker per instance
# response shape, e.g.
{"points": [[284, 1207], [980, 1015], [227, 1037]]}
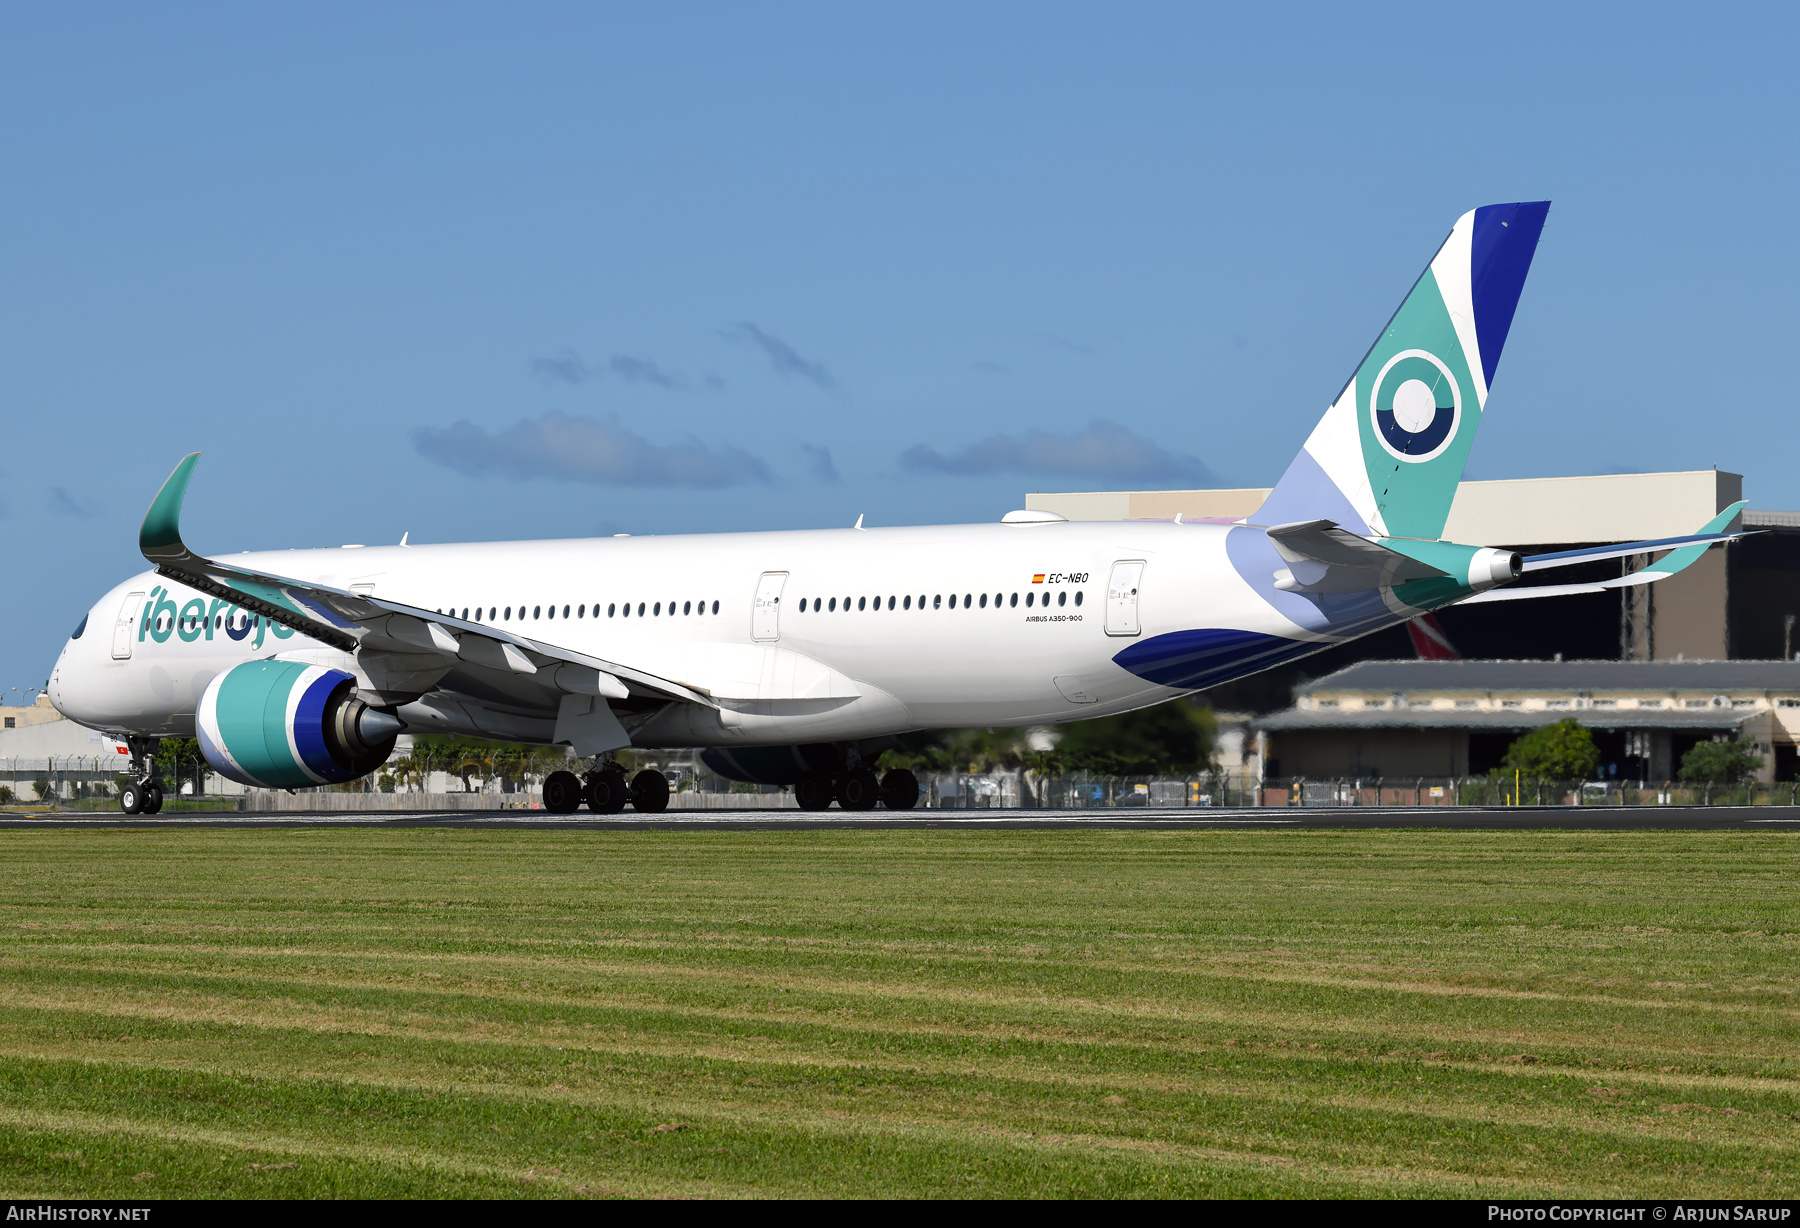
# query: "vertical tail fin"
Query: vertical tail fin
{"points": [[1388, 455], [1429, 639]]}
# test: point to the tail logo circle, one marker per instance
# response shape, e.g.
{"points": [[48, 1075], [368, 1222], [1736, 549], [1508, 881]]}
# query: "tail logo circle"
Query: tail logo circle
{"points": [[1416, 406]]}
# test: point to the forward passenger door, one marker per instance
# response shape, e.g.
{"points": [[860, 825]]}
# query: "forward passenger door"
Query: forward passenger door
{"points": [[125, 627], [765, 615]]}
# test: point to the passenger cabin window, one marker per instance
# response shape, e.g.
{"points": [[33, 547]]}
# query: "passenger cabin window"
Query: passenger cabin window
{"points": [[908, 603], [715, 608], [1077, 596], [937, 602], [862, 603], [1062, 598], [1015, 599], [508, 614], [1029, 598], [890, 603], [609, 610], [640, 609]]}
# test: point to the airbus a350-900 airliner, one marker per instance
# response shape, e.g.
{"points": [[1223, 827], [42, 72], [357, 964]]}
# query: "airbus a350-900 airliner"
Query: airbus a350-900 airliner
{"points": [[795, 657]]}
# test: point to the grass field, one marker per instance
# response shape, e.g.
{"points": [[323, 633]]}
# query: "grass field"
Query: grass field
{"points": [[444, 1013]]}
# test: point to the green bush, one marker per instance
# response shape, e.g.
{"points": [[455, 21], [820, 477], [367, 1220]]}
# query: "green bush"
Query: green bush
{"points": [[1718, 763], [1563, 751]]}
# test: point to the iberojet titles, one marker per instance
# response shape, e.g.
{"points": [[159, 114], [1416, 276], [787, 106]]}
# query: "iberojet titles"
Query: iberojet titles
{"points": [[196, 618]]}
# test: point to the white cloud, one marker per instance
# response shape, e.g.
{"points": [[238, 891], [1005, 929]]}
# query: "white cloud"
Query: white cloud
{"points": [[1101, 450], [599, 451]]}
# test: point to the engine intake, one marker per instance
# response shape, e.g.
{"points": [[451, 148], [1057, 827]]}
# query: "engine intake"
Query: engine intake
{"points": [[288, 725]]}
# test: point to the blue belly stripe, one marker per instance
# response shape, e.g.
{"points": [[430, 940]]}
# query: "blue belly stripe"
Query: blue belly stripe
{"points": [[1208, 656]]}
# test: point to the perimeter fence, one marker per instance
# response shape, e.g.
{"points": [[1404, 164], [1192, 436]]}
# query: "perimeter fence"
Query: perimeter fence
{"points": [[91, 783]]}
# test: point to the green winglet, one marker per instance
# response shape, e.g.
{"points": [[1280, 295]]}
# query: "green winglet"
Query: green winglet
{"points": [[160, 537], [1675, 560]]}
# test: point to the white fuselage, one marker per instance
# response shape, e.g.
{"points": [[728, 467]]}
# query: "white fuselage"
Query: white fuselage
{"points": [[1016, 649]]}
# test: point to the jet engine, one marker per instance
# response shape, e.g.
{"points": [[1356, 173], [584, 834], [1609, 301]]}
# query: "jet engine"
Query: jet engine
{"points": [[289, 725]]}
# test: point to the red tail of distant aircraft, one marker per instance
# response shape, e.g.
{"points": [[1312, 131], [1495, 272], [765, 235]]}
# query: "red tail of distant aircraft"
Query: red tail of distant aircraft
{"points": [[1429, 640]]}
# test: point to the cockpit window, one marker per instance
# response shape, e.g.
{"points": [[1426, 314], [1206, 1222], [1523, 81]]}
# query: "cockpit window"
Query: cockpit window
{"points": [[80, 628]]}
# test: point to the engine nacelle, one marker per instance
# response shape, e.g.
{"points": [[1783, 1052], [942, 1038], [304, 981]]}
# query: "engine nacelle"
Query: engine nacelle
{"points": [[289, 725]]}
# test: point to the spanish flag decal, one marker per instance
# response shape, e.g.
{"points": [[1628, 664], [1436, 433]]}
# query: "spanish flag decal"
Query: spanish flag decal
{"points": [[1038, 579]]}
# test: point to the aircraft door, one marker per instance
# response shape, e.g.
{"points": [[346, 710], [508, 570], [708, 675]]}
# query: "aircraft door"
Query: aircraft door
{"points": [[765, 615], [1122, 597], [125, 628]]}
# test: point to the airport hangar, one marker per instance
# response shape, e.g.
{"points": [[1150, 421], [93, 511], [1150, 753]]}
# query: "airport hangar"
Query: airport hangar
{"points": [[1649, 669]]}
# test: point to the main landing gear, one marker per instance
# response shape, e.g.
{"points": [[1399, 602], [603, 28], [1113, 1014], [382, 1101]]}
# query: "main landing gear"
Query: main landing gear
{"points": [[143, 793], [858, 789], [606, 792]]}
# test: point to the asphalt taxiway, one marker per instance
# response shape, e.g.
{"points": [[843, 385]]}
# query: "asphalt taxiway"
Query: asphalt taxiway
{"points": [[1459, 818]]}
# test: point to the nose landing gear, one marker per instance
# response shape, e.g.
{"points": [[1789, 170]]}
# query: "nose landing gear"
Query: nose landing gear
{"points": [[143, 793]]}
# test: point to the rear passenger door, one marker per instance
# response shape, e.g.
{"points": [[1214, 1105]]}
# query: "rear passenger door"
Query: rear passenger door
{"points": [[1122, 597]]}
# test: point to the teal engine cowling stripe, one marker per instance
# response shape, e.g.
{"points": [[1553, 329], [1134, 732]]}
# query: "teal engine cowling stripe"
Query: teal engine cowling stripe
{"points": [[263, 723]]}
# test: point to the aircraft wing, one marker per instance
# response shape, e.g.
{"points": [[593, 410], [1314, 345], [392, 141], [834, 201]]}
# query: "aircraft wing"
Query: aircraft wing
{"points": [[397, 641], [1682, 551]]}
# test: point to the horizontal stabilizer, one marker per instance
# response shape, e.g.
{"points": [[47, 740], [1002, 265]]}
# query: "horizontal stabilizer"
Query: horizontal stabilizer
{"points": [[1706, 537], [1323, 558], [1682, 551]]}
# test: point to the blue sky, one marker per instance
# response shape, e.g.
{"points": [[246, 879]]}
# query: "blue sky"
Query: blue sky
{"points": [[477, 272]]}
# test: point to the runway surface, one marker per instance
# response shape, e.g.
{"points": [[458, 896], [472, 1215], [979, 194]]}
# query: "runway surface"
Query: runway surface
{"points": [[1460, 818]]}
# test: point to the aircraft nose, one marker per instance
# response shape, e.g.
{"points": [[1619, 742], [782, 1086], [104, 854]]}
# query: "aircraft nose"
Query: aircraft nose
{"points": [[71, 684]]}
